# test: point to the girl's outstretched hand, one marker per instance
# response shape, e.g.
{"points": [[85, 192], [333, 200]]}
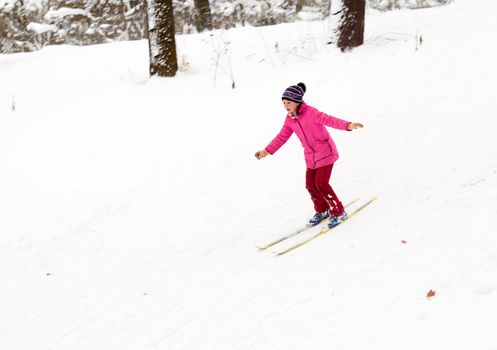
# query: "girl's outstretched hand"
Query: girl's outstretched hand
{"points": [[261, 154], [353, 126]]}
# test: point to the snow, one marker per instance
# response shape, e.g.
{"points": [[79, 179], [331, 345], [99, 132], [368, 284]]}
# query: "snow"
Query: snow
{"points": [[131, 206], [57, 15], [309, 15], [40, 28]]}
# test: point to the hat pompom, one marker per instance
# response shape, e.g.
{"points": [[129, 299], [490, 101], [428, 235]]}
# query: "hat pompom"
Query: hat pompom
{"points": [[302, 85]]}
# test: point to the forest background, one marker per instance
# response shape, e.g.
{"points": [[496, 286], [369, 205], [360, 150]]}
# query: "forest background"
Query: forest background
{"points": [[29, 25]]}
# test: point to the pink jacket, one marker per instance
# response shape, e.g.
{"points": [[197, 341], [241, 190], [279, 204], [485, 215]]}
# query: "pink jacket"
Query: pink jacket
{"points": [[309, 125]]}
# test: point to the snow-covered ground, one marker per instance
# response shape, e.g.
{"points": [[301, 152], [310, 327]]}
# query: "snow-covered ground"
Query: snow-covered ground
{"points": [[130, 208]]}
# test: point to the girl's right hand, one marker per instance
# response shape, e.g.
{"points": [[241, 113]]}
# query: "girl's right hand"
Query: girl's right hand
{"points": [[261, 154]]}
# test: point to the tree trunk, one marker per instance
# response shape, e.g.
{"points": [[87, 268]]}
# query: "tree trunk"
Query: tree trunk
{"points": [[204, 19], [162, 44], [299, 6], [336, 9], [351, 26]]}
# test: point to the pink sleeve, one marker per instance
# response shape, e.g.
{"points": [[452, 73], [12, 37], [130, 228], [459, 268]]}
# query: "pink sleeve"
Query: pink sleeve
{"points": [[280, 139], [328, 120]]}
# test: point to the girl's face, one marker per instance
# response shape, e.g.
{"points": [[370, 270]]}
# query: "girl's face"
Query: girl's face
{"points": [[290, 106]]}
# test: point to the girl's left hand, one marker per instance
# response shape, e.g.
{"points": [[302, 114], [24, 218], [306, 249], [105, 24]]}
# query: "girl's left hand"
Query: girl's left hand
{"points": [[353, 126]]}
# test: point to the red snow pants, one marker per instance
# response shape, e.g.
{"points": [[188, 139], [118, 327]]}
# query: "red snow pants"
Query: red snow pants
{"points": [[323, 196]]}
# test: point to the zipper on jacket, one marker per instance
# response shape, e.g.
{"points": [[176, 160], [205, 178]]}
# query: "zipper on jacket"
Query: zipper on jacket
{"points": [[307, 140]]}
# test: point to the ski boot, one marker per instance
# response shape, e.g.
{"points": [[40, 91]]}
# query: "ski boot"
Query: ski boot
{"points": [[318, 217], [335, 220]]}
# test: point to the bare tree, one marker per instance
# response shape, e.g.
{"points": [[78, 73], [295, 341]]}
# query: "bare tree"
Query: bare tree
{"points": [[351, 24], [161, 41]]}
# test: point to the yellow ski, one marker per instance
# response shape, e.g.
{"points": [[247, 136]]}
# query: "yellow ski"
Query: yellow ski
{"points": [[322, 232], [265, 246]]}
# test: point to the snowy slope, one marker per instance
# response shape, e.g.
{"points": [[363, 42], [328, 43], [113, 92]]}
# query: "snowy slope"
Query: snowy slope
{"points": [[131, 207]]}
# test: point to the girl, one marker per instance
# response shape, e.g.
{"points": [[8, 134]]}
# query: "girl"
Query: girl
{"points": [[319, 150]]}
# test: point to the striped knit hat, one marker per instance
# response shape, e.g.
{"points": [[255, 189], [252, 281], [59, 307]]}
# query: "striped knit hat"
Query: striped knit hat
{"points": [[294, 93]]}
